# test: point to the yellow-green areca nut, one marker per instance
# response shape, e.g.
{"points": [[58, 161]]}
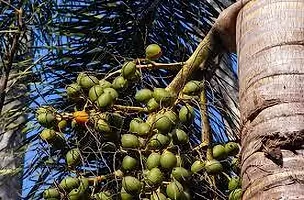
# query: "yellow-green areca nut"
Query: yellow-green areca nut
{"points": [[143, 129], [213, 166], [168, 160], [192, 87], [129, 163], [134, 125], [62, 125], [51, 193], [232, 148], [104, 84], [172, 116], [174, 190], [153, 160], [128, 69], [143, 95], [234, 183], [219, 152], [120, 83], [111, 92], [104, 100], [86, 81], [69, 183], [158, 196], [131, 185], [186, 114], [180, 173], [162, 96], [129, 141], [75, 194], [124, 195], [158, 141], [103, 126], [154, 177], [163, 124], [46, 119], [103, 196], [152, 105], [80, 193], [49, 135], [197, 166], [73, 157], [235, 194], [83, 187], [180, 137], [56, 139], [44, 109], [73, 90], [153, 52], [95, 92]]}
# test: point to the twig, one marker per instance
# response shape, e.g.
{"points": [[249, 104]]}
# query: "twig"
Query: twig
{"points": [[97, 179], [226, 175], [152, 65], [101, 178], [112, 74], [130, 108]]}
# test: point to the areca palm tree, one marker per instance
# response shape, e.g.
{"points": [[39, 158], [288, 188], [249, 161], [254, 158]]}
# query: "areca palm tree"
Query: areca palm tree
{"points": [[97, 37]]}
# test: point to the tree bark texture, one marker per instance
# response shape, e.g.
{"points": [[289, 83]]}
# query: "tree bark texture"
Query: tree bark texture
{"points": [[10, 138], [270, 45]]}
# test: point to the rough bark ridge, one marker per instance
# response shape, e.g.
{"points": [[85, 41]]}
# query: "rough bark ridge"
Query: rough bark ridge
{"points": [[270, 45]]}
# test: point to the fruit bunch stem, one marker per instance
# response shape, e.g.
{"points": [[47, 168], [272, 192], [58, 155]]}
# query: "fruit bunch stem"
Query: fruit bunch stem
{"points": [[206, 136], [154, 65], [197, 60]]}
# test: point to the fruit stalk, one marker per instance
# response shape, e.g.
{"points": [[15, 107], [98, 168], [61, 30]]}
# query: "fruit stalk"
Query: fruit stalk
{"points": [[154, 65], [197, 60], [112, 74], [129, 108], [206, 133], [214, 41], [101, 178]]}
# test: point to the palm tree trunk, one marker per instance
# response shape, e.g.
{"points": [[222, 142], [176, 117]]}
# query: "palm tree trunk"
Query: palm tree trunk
{"points": [[270, 44], [13, 108], [10, 138]]}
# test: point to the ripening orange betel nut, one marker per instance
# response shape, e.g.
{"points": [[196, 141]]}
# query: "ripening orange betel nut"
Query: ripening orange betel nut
{"points": [[81, 117]]}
